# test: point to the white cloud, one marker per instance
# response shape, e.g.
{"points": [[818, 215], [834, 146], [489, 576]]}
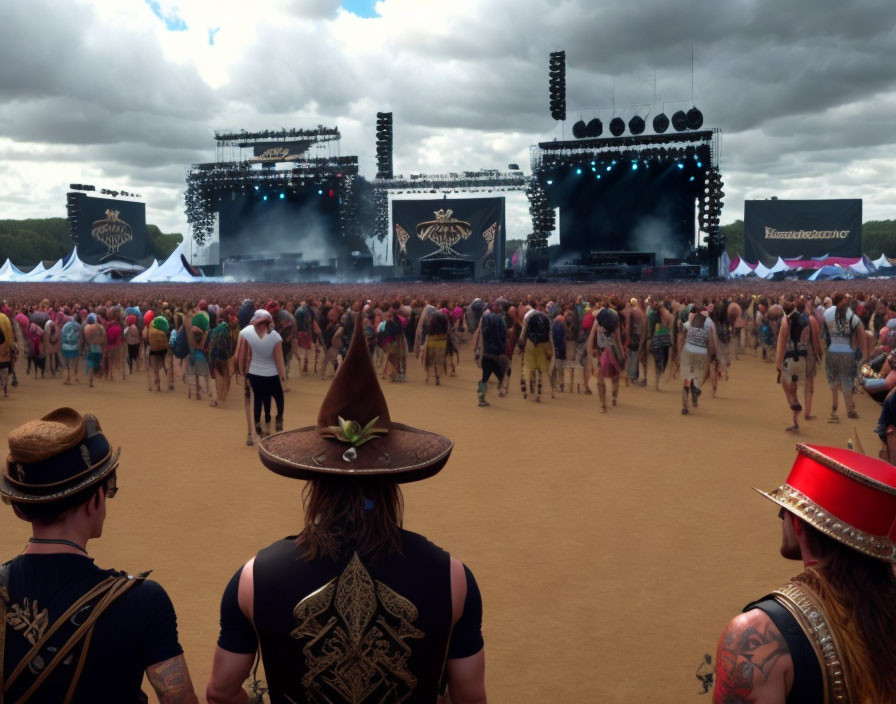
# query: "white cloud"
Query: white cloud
{"points": [[101, 90]]}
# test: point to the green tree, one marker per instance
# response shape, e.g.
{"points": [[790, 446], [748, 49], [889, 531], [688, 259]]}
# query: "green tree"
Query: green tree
{"points": [[734, 237], [879, 237]]}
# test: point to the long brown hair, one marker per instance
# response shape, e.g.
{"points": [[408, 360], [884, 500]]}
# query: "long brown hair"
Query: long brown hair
{"points": [[348, 515], [859, 596]]}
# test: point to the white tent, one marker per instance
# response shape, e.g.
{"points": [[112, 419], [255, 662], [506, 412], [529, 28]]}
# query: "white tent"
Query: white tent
{"points": [[779, 266], [53, 271], [762, 271], [173, 269], [882, 262], [9, 272], [36, 274], [859, 268], [75, 269], [145, 275], [742, 269]]}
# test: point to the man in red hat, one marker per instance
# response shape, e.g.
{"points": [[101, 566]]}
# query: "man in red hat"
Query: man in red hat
{"points": [[70, 632], [829, 635], [355, 608]]}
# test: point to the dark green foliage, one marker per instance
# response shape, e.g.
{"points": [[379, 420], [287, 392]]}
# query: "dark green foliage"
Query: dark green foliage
{"points": [[25, 242]]}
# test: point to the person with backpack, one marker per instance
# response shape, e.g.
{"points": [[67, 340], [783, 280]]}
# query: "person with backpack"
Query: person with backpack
{"points": [[71, 348], [158, 349], [220, 350], [845, 337], [799, 346]]}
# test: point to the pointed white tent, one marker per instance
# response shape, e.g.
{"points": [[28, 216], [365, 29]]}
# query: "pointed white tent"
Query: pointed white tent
{"points": [[75, 269], [881, 262], [53, 271], [36, 274], [9, 272], [859, 268], [145, 275], [779, 266], [762, 271], [742, 269], [173, 269]]}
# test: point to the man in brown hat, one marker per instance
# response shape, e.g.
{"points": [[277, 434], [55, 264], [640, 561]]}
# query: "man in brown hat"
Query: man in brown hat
{"points": [[355, 608], [829, 635], [69, 631]]}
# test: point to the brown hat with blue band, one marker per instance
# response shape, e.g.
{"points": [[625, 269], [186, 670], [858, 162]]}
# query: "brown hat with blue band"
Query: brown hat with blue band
{"points": [[55, 457]]}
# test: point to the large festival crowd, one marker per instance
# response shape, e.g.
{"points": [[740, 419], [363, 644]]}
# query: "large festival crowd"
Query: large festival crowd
{"points": [[552, 341]]}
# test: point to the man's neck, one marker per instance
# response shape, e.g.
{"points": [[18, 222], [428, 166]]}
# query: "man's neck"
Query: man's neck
{"points": [[56, 539]]}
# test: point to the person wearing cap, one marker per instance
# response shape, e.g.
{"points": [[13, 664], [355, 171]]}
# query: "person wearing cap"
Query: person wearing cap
{"points": [[828, 635], [71, 632], [355, 608]]}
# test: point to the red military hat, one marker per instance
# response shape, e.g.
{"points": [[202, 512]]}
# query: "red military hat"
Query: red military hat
{"points": [[848, 496]]}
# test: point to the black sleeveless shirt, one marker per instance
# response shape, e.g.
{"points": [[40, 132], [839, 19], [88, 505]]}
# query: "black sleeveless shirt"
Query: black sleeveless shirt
{"points": [[352, 631]]}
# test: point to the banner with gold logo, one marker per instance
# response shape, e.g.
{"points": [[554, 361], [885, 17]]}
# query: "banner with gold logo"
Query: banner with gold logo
{"points": [[464, 230], [802, 228], [111, 229]]}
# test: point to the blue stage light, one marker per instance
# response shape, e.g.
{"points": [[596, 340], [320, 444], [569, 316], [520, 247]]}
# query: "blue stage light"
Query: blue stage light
{"points": [[598, 175], [320, 193], [578, 172], [613, 162], [634, 166], [699, 164], [691, 178], [609, 168], [550, 183], [680, 166], [593, 163], [594, 168], [265, 198], [282, 196], [256, 188]]}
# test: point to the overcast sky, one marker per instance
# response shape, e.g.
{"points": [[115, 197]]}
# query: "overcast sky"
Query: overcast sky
{"points": [[125, 94]]}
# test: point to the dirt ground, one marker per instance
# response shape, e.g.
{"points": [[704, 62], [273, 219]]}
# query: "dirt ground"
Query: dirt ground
{"points": [[610, 549]]}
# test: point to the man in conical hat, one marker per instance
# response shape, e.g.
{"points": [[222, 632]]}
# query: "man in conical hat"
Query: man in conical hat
{"points": [[828, 635], [354, 608]]}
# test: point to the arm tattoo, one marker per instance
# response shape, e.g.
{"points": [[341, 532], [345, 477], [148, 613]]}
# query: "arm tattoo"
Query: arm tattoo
{"points": [[171, 681], [746, 656]]}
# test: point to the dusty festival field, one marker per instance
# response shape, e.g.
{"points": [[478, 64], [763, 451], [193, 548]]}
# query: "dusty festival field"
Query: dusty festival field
{"points": [[610, 549]]}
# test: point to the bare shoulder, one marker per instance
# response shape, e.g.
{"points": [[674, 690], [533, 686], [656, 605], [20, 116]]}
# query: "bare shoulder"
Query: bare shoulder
{"points": [[458, 589], [753, 662]]}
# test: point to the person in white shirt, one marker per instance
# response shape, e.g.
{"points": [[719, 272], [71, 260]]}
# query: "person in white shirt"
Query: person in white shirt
{"points": [[266, 370]]}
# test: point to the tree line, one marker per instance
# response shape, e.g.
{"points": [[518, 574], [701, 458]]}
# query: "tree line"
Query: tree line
{"points": [[26, 242]]}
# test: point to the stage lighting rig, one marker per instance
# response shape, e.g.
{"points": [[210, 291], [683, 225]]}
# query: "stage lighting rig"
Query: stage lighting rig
{"points": [[384, 145], [660, 123], [636, 125], [617, 126]]}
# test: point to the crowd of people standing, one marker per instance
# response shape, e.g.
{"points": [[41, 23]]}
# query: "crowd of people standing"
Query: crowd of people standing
{"points": [[563, 344]]}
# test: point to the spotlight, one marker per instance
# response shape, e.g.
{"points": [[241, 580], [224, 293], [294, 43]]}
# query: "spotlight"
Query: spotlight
{"points": [[550, 182], [265, 198], [579, 130], [636, 125], [609, 168], [634, 166], [578, 172], [680, 166], [282, 196], [256, 188], [691, 178], [699, 164], [617, 126], [660, 123], [319, 192]]}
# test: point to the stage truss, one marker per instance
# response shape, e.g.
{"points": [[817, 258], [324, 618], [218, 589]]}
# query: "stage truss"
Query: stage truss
{"points": [[207, 183], [484, 181], [703, 145]]}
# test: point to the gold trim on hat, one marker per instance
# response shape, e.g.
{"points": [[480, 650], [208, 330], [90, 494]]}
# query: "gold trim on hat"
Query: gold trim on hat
{"points": [[877, 546], [831, 463]]}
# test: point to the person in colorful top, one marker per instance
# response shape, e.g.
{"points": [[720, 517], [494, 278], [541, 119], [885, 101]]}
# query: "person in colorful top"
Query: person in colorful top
{"points": [[72, 342]]}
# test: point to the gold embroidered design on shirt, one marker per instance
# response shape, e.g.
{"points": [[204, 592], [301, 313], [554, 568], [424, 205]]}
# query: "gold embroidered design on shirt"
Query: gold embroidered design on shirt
{"points": [[28, 618], [356, 630]]}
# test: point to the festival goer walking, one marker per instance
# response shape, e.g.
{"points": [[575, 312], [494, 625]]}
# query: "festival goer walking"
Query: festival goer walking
{"points": [[114, 346], [132, 340], [53, 344], [95, 342], [435, 345], [7, 352], [797, 342], [355, 608], [266, 370], [699, 347], [75, 633], [829, 634], [220, 350], [606, 337], [490, 344], [37, 349], [845, 336], [635, 342], [660, 324], [537, 352], [72, 342], [158, 333]]}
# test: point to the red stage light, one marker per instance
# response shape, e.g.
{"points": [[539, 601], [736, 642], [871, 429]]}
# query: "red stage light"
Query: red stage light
{"points": [[332, 193]]}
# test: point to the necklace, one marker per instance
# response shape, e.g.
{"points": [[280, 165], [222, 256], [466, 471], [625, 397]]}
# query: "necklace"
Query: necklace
{"points": [[57, 541]]}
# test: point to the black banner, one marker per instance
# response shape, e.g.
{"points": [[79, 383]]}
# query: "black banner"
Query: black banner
{"points": [[279, 151], [467, 232], [110, 229], [795, 228]]}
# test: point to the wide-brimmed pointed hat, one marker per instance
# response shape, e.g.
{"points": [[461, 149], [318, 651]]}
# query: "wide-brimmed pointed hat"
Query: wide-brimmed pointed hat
{"points": [[355, 435], [846, 495], [55, 457]]}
